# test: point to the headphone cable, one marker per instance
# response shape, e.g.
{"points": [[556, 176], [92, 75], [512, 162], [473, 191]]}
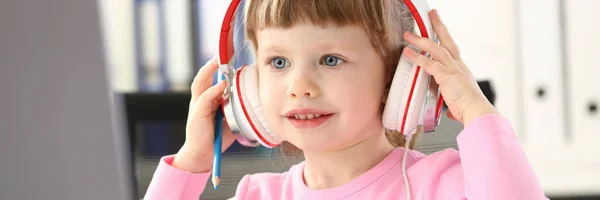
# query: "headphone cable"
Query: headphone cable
{"points": [[404, 175]]}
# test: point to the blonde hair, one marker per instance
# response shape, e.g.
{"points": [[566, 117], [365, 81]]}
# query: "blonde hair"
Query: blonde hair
{"points": [[384, 21]]}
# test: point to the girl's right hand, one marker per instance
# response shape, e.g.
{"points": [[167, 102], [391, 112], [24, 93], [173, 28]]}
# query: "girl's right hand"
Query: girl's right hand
{"points": [[196, 154]]}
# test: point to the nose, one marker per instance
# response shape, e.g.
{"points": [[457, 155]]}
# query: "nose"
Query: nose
{"points": [[303, 87]]}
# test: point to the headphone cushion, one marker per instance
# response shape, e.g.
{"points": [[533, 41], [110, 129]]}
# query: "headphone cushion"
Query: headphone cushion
{"points": [[398, 95], [250, 94], [407, 97]]}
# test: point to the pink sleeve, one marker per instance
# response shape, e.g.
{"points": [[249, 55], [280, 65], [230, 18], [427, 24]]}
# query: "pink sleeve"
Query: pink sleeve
{"points": [[242, 188], [493, 162], [169, 182]]}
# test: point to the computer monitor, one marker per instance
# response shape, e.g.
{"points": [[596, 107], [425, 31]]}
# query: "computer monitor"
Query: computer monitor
{"points": [[61, 136]]}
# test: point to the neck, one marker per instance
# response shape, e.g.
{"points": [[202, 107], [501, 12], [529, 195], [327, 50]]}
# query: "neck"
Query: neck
{"points": [[323, 168]]}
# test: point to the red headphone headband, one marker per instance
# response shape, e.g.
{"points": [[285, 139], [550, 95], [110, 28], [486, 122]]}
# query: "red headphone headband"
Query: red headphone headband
{"points": [[226, 49], [418, 19]]}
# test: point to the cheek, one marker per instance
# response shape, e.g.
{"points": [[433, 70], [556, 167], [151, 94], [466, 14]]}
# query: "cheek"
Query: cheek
{"points": [[361, 96], [364, 94], [367, 86], [270, 95]]}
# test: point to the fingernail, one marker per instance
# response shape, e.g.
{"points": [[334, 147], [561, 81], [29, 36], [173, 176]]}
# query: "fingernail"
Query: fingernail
{"points": [[437, 15], [411, 54], [219, 83]]}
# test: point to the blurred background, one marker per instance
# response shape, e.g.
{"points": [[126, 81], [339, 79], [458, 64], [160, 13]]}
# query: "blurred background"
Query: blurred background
{"points": [[107, 81]]}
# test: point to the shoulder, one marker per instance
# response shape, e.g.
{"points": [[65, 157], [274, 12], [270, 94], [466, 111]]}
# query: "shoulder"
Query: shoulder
{"points": [[265, 185], [443, 158], [440, 173], [441, 164], [259, 180]]}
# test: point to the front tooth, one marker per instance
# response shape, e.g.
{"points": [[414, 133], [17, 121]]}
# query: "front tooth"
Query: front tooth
{"points": [[310, 116], [317, 115], [302, 116]]}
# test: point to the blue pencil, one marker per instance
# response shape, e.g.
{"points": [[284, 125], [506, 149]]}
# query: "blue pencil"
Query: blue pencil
{"points": [[218, 145], [217, 150]]}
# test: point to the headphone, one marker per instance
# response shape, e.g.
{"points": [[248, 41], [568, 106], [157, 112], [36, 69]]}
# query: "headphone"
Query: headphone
{"points": [[414, 98]]}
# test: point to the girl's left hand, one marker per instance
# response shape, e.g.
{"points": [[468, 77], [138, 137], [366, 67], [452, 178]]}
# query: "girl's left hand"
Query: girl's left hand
{"points": [[459, 88]]}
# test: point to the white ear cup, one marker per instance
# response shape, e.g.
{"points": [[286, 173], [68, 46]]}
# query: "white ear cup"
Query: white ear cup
{"points": [[249, 90], [407, 93], [397, 95]]}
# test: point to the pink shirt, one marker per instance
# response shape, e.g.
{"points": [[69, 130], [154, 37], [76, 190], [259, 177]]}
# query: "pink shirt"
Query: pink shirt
{"points": [[490, 165]]}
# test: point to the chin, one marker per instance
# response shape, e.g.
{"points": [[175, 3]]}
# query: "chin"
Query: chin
{"points": [[322, 142], [311, 145]]}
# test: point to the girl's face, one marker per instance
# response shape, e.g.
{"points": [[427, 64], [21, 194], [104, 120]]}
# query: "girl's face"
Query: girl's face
{"points": [[331, 71]]}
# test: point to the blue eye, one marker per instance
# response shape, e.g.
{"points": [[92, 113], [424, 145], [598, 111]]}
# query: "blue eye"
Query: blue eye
{"points": [[332, 61], [279, 63]]}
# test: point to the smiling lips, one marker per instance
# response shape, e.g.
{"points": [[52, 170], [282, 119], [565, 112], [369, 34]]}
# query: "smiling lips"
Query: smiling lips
{"points": [[307, 118]]}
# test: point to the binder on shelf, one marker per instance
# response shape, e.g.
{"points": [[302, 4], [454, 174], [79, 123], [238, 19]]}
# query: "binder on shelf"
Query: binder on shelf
{"points": [[541, 56], [151, 45], [178, 44], [583, 61], [119, 40], [197, 29]]}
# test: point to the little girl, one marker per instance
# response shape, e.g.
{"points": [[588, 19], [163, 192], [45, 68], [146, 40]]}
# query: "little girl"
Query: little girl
{"points": [[337, 58]]}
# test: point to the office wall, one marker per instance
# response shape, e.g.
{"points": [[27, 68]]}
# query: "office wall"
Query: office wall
{"points": [[57, 139]]}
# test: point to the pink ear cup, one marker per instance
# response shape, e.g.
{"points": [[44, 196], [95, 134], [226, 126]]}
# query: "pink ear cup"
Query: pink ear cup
{"points": [[430, 116], [245, 141], [248, 85], [405, 102]]}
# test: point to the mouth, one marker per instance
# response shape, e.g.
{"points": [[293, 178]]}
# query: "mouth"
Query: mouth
{"points": [[308, 118]]}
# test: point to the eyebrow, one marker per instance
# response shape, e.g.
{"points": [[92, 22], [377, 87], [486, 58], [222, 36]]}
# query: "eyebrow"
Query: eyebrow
{"points": [[271, 48], [340, 48]]}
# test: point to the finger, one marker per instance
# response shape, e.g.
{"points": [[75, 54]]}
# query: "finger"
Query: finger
{"points": [[449, 114], [203, 78], [208, 101], [431, 66], [443, 34], [437, 51]]}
